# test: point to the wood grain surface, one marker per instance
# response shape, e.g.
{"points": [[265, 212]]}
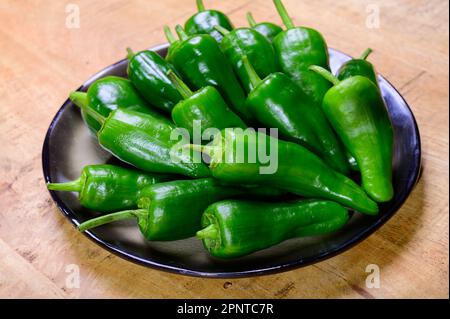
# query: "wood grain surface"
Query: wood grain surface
{"points": [[42, 60]]}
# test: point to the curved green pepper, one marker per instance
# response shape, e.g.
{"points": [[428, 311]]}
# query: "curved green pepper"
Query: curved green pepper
{"points": [[145, 141], [106, 188], [172, 211], [295, 169], [357, 112], [277, 102], [204, 22], [267, 29], [201, 63], [147, 71], [238, 228], [256, 47], [108, 94], [360, 67], [205, 107], [297, 49]]}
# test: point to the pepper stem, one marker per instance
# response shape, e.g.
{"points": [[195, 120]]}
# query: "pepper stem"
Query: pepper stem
{"points": [[252, 75], [325, 73], [181, 87], [251, 20], [181, 33], [102, 220], [73, 186], [287, 20], [130, 54], [221, 30], [366, 54], [210, 232], [200, 5], [169, 35], [80, 100]]}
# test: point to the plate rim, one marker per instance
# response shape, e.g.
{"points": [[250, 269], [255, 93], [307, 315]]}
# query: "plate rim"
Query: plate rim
{"points": [[286, 266]]}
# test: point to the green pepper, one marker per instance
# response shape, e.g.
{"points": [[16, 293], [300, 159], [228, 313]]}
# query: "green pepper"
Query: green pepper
{"points": [[205, 107], [267, 29], [174, 43], [145, 141], [236, 228], [172, 211], [204, 22], [357, 112], [106, 188], [289, 167], [360, 67], [147, 71], [201, 63], [277, 102], [256, 47], [297, 49], [108, 94]]}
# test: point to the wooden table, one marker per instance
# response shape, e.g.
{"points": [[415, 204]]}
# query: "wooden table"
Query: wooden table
{"points": [[43, 58]]}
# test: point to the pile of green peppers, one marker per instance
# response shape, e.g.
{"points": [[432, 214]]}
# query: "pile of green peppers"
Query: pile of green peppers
{"points": [[334, 130]]}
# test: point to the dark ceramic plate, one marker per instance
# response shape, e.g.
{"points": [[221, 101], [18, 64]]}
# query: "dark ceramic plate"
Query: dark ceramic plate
{"points": [[69, 146]]}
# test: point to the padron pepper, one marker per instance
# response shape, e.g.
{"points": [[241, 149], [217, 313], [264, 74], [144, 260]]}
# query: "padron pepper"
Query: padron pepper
{"points": [[256, 47], [146, 142], [205, 108], [173, 210], [277, 102], [235, 228], [290, 167], [147, 70], [108, 94], [267, 29], [201, 63], [107, 188], [204, 21], [360, 67], [357, 112], [297, 49]]}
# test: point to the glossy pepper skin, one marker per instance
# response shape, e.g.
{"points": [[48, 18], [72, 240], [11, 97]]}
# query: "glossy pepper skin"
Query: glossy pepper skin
{"points": [[360, 67], [277, 102], [234, 228], [108, 94], [297, 49], [145, 141], [267, 29], [201, 63], [204, 22], [357, 112], [147, 70], [294, 168], [202, 110], [256, 47], [172, 211], [107, 188]]}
